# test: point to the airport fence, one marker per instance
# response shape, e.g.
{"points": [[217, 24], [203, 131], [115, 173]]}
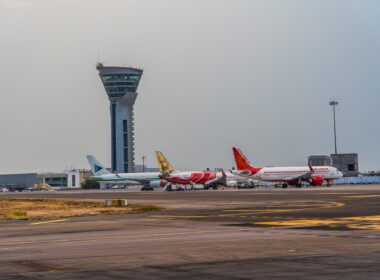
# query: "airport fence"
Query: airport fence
{"points": [[358, 180]]}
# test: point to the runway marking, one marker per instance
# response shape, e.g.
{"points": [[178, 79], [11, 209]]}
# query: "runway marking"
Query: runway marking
{"points": [[297, 223], [362, 218], [360, 222], [179, 217], [362, 196], [365, 227], [313, 206], [119, 238], [49, 222], [340, 193]]}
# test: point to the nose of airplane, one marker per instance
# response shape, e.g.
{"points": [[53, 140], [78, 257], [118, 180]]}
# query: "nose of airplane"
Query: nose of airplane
{"points": [[340, 174]]}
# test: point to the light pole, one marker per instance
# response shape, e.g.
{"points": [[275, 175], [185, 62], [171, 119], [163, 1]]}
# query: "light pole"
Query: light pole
{"points": [[334, 103], [143, 159]]}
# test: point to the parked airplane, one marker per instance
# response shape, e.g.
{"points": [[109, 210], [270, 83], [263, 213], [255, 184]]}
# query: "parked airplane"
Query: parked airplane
{"points": [[151, 179], [316, 176], [206, 178]]}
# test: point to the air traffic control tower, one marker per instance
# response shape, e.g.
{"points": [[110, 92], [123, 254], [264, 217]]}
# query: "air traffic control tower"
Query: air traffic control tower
{"points": [[121, 86]]}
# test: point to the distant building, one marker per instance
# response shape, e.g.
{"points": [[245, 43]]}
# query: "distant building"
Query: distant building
{"points": [[65, 179], [347, 163], [85, 175], [18, 181], [320, 160]]}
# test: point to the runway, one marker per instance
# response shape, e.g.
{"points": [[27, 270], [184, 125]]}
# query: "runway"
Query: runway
{"points": [[243, 234]]}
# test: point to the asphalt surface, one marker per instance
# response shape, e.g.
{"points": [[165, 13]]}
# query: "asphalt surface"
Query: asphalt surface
{"points": [[313, 233]]}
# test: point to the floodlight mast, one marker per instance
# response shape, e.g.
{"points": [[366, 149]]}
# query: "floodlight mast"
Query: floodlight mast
{"points": [[334, 103], [143, 161]]}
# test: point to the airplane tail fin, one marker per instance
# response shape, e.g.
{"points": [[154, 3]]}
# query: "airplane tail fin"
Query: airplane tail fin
{"points": [[163, 163], [96, 167], [242, 163]]}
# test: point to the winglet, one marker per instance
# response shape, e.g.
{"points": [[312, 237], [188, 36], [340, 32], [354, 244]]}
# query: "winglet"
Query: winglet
{"points": [[223, 180], [311, 167], [224, 174]]}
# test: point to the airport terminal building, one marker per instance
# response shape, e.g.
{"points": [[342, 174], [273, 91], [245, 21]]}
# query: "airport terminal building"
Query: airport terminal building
{"points": [[65, 179], [121, 85]]}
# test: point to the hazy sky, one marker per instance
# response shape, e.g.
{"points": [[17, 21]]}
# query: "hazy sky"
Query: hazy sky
{"points": [[256, 74]]}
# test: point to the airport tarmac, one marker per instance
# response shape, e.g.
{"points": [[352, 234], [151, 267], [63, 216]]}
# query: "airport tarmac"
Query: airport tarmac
{"points": [[309, 233]]}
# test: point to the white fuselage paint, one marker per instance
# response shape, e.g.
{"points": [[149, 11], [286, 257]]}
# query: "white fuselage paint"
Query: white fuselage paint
{"points": [[284, 174], [128, 178]]}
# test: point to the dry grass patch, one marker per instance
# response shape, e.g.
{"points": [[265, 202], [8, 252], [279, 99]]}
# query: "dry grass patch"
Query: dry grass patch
{"points": [[46, 208]]}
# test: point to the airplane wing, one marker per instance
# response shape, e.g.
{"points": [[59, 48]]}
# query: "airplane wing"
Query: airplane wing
{"points": [[301, 177], [245, 172], [222, 180], [305, 176], [141, 181], [137, 181]]}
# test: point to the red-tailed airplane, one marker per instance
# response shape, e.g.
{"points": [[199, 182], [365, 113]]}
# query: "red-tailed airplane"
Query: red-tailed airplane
{"points": [[316, 176]]}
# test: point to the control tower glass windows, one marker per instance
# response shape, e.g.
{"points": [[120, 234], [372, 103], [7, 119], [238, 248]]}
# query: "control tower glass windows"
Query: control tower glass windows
{"points": [[116, 94], [120, 83], [121, 77], [116, 89], [107, 84]]}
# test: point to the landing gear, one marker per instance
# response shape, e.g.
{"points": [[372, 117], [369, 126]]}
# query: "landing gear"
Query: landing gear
{"points": [[284, 186], [298, 184], [211, 186]]}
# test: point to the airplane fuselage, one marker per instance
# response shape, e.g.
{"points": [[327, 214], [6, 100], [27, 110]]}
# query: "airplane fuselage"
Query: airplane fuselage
{"points": [[193, 177], [287, 174], [130, 178]]}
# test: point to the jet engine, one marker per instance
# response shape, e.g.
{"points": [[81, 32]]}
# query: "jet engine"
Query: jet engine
{"points": [[317, 180], [241, 172], [157, 184]]}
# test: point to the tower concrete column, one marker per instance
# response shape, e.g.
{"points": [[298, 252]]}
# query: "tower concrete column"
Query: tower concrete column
{"points": [[121, 85]]}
